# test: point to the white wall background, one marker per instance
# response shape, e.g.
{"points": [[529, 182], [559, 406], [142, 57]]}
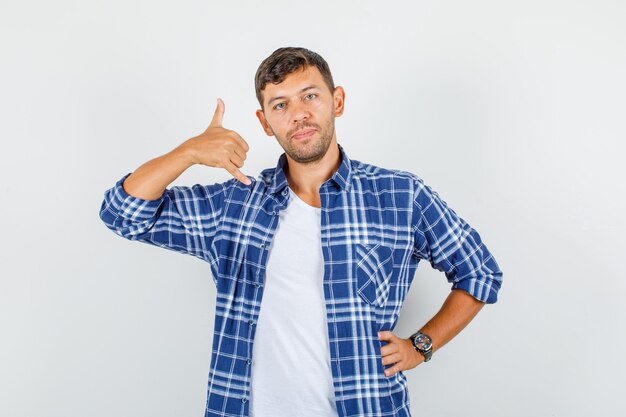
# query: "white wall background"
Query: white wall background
{"points": [[512, 110]]}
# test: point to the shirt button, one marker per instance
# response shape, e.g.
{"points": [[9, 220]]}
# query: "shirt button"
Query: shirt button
{"points": [[257, 285], [250, 322], [243, 400], [263, 245], [248, 361], [286, 191]]}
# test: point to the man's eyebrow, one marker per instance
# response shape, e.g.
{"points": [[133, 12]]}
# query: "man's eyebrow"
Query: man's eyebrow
{"points": [[310, 87]]}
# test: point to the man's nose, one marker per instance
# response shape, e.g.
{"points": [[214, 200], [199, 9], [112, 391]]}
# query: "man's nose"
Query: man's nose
{"points": [[300, 111]]}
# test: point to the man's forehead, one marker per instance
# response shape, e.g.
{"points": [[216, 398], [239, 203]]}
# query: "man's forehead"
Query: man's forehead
{"points": [[294, 83]]}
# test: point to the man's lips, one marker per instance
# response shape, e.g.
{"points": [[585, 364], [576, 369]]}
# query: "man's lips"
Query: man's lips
{"points": [[304, 133]]}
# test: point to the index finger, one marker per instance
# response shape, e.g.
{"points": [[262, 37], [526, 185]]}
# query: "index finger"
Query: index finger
{"points": [[242, 142]]}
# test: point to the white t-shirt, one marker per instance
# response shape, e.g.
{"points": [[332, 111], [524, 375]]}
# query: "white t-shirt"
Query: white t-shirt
{"points": [[291, 374]]}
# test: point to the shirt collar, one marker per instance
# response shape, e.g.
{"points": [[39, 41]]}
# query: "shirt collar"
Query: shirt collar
{"points": [[341, 177]]}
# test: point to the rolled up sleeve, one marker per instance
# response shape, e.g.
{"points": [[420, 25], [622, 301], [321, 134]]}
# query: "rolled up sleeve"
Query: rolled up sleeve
{"points": [[452, 246], [183, 219]]}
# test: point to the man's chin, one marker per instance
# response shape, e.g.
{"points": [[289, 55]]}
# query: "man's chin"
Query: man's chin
{"points": [[304, 159], [307, 157], [306, 151]]}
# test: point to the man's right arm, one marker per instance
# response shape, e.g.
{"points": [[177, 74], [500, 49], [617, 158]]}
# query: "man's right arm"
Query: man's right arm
{"points": [[140, 207]]}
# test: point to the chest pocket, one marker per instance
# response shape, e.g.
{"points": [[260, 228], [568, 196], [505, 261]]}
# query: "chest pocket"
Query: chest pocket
{"points": [[373, 273]]}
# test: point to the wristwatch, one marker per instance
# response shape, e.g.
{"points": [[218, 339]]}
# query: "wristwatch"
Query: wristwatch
{"points": [[423, 344]]}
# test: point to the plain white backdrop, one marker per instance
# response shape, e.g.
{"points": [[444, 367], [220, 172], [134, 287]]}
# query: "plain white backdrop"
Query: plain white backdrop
{"points": [[512, 110]]}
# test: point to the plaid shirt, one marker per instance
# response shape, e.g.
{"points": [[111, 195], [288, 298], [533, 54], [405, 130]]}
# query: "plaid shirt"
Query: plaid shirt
{"points": [[377, 224]]}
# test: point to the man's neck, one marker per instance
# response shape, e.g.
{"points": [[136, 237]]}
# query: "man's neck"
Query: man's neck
{"points": [[305, 179]]}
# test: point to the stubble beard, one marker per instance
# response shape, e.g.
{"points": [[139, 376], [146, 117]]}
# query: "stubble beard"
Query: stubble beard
{"points": [[314, 149]]}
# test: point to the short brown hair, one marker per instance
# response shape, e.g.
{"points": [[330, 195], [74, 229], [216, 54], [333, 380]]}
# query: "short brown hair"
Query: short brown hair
{"points": [[285, 61]]}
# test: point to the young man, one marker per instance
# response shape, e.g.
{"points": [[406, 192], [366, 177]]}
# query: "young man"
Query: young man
{"points": [[312, 261]]}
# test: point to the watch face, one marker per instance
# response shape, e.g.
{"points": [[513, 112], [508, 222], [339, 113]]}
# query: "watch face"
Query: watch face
{"points": [[423, 342]]}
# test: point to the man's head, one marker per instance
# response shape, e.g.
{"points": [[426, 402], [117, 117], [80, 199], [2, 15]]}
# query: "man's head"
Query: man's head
{"points": [[299, 103], [285, 61]]}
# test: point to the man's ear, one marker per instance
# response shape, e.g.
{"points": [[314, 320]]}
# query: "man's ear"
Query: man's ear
{"points": [[266, 127], [339, 98]]}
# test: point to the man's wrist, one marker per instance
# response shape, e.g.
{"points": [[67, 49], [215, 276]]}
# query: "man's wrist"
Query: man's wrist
{"points": [[186, 153], [423, 344]]}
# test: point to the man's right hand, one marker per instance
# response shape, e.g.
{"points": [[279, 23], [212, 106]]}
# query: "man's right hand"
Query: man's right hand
{"points": [[219, 147], [216, 147]]}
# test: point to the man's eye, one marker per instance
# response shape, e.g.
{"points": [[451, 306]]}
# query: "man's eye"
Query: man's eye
{"points": [[310, 96], [279, 106]]}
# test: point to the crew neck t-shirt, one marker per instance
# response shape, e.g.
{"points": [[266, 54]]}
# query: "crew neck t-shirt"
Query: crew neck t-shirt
{"points": [[291, 373]]}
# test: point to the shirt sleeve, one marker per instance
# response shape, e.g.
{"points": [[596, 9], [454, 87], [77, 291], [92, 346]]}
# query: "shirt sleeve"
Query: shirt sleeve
{"points": [[453, 246], [183, 219]]}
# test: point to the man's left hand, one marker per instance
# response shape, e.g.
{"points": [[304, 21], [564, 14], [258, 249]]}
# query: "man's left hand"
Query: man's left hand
{"points": [[399, 352]]}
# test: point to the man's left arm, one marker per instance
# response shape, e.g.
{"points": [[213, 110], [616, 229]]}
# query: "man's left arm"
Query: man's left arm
{"points": [[457, 311], [452, 246]]}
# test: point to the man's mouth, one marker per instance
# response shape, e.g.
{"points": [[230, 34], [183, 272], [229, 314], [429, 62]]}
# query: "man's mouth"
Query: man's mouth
{"points": [[304, 133]]}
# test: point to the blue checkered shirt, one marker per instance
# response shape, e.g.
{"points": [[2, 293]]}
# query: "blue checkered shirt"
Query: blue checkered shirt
{"points": [[377, 224]]}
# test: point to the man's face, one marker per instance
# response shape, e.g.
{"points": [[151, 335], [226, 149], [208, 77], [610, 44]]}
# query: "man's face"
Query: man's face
{"points": [[300, 112]]}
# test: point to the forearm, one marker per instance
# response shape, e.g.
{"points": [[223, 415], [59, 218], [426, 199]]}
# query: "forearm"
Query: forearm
{"points": [[151, 179], [455, 313]]}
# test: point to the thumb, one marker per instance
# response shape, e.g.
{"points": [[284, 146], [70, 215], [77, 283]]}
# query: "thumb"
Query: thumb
{"points": [[219, 114]]}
